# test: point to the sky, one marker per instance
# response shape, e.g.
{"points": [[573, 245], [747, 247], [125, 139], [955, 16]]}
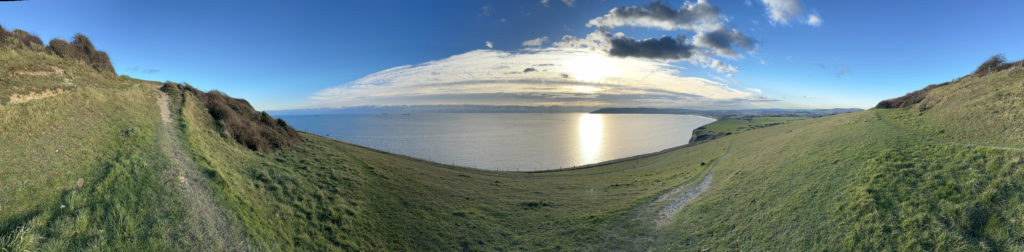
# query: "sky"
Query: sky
{"points": [[680, 54]]}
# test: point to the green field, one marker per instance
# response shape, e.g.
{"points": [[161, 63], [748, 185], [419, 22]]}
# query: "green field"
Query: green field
{"points": [[945, 175], [729, 126], [738, 125]]}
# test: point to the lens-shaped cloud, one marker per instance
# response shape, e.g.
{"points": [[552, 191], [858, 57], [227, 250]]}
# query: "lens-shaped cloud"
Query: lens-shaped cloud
{"points": [[548, 76]]}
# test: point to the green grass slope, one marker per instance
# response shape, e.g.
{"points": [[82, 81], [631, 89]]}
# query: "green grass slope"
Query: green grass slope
{"points": [[945, 175], [79, 166], [943, 178]]}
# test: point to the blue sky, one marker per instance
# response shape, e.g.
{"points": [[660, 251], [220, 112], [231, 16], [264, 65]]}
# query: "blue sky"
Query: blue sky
{"points": [[280, 55]]}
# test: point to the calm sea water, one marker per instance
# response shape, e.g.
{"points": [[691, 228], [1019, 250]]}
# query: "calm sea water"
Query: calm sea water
{"points": [[512, 142]]}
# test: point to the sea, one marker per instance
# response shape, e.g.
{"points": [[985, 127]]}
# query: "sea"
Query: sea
{"points": [[507, 141]]}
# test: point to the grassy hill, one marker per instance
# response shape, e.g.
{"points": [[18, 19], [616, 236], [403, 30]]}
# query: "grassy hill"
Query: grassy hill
{"points": [[93, 165]]}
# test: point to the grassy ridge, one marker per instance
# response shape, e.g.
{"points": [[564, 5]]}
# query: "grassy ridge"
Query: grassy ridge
{"points": [[883, 179], [99, 130]]}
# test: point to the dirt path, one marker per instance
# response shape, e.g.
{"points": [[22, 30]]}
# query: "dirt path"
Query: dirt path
{"points": [[206, 227], [678, 197]]}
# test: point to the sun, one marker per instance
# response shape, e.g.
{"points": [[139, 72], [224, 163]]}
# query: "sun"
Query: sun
{"points": [[591, 68]]}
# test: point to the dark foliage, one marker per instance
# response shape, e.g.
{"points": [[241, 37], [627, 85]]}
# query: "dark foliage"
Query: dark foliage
{"points": [[64, 49], [239, 121], [990, 65], [79, 49], [994, 64], [908, 99], [82, 49], [24, 38]]}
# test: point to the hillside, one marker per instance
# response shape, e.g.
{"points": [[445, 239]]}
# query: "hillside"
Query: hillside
{"points": [[102, 162]]}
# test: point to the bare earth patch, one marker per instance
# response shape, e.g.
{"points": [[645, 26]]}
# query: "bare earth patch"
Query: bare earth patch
{"points": [[38, 72], [23, 98]]}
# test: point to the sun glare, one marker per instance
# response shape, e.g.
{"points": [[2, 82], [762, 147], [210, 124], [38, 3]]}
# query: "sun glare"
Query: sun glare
{"points": [[591, 68], [591, 136]]}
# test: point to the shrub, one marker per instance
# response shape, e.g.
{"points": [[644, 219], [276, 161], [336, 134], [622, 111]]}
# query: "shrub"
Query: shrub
{"points": [[238, 120], [27, 38], [20, 39], [63, 49], [990, 65], [4, 34], [995, 63], [83, 43], [909, 99], [81, 49], [97, 59]]}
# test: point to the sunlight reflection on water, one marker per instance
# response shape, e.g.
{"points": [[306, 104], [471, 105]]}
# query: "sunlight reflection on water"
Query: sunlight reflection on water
{"points": [[508, 141], [590, 130]]}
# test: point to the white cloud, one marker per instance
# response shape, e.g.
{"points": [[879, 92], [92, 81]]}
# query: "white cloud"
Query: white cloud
{"points": [[748, 3], [780, 11], [722, 67], [536, 42], [813, 20], [597, 41], [763, 62], [548, 76], [600, 69], [692, 16]]}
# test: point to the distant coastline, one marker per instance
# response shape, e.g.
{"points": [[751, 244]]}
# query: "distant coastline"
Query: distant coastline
{"points": [[736, 113], [421, 109]]}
